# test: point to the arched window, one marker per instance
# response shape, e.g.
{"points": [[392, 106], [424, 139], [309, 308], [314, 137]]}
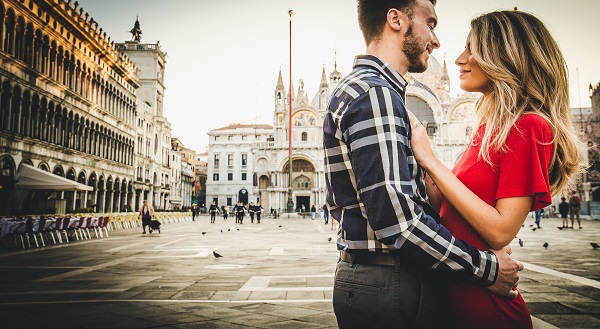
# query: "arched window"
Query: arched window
{"points": [[304, 136]]}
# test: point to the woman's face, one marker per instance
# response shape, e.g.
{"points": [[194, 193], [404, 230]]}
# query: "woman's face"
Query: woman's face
{"points": [[471, 76]]}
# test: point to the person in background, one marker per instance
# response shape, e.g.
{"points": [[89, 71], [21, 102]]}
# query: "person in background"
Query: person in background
{"points": [[325, 214], [146, 212], [251, 210], [563, 209], [538, 216], [575, 209], [258, 209], [313, 212], [523, 151], [225, 211], [194, 211], [213, 210]]}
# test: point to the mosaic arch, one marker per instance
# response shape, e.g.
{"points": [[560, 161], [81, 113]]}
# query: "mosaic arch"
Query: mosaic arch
{"points": [[304, 118]]}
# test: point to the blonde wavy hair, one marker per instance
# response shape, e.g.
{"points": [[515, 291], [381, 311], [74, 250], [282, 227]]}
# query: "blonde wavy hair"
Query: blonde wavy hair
{"points": [[528, 74]]}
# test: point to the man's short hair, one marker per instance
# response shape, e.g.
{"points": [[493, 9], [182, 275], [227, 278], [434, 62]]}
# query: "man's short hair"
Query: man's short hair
{"points": [[372, 15]]}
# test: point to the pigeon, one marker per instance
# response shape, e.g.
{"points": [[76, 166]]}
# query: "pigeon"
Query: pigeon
{"points": [[520, 242], [203, 233], [533, 229], [560, 227], [595, 245], [216, 255], [329, 239], [228, 229], [546, 245], [279, 225], [221, 231], [531, 225], [238, 229]]}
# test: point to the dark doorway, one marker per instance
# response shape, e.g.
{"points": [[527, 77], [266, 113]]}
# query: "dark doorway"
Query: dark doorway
{"points": [[243, 196], [303, 201]]}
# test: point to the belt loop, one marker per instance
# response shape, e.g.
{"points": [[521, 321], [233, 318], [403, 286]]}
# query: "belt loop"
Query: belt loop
{"points": [[397, 263]]}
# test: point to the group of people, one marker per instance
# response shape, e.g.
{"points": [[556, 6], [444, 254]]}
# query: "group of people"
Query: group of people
{"points": [[239, 210], [573, 207], [423, 246]]}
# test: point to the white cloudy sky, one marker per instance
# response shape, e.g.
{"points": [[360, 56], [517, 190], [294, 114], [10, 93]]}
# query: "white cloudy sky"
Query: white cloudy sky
{"points": [[223, 57]]}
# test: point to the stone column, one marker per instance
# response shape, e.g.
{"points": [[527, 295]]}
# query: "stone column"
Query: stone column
{"points": [[84, 199], [100, 200], [110, 194]]}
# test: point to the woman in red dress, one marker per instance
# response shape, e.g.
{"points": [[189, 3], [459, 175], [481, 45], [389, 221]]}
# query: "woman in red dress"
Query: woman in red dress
{"points": [[523, 151]]}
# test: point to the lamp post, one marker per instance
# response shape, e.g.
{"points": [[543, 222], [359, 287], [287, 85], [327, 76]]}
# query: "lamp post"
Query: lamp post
{"points": [[290, 201]]}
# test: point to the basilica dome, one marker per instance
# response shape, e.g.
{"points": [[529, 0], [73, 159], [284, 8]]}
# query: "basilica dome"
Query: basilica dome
{"points": [[432, 77]]}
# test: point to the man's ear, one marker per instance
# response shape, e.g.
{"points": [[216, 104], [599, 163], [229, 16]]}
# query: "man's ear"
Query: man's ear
{"points": [[396, 19]]}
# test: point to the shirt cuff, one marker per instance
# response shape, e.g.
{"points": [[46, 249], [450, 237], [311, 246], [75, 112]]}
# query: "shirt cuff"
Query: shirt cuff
{"points": [[487, 272]]}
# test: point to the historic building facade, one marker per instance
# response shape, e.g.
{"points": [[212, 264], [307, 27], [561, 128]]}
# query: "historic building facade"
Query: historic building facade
{"points": [[230, 162], [153, 134], [74, 104], [67, 104]]}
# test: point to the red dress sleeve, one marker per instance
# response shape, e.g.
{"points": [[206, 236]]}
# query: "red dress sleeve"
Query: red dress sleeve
{"points": [[525, 164]]}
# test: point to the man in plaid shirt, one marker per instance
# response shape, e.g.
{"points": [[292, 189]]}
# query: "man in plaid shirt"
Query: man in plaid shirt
{"points": [[391, 245]]}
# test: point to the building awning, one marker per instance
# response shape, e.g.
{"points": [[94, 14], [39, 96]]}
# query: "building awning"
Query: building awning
{"points": [[31, 178]]}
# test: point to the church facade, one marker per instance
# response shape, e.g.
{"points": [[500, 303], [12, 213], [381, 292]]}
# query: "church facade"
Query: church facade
{"points": [[449, 122]]}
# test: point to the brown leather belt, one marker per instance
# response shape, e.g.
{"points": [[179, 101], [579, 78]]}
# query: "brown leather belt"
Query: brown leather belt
{"points": [[370, 258]]}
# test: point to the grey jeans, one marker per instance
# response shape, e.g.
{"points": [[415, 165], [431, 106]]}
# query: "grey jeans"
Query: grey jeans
{"points": [[371, 296]]}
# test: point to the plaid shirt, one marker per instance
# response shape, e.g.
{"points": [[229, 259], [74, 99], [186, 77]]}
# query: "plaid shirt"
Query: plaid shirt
{"points": [[375, 187]]}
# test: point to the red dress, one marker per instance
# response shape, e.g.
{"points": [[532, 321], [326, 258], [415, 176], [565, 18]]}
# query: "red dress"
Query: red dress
{"points": [[521, 171]]}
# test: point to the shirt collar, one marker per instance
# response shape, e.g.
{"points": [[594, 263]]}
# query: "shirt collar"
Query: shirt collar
{"points": [[390, 73]]}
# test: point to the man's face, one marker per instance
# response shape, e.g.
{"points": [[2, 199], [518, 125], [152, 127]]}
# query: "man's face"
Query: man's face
{"points": [[420, 39]]}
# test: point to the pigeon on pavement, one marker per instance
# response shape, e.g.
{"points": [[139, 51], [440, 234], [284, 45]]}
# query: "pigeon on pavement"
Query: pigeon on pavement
{"points": [[216, 255], [546, 245], [560, 227], [279, 225], [520, 242], [595, 245], [203, 233], [533, 229], [329, 239]]}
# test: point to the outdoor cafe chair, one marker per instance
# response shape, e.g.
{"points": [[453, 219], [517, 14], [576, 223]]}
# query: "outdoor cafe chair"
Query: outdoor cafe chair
{"points": [[89, 225], [103, 224], [41, 230], [63, 229], [28, 232]]}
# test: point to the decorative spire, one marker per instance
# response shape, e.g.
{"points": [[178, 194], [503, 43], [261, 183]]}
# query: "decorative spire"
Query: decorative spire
{"points": [[335, 76], [136, 32], [280, 85], [446, 76], [323, 79]]}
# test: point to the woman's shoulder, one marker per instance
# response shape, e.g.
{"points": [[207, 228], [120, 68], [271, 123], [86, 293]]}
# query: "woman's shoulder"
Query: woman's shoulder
{"points": [[533, 120]]}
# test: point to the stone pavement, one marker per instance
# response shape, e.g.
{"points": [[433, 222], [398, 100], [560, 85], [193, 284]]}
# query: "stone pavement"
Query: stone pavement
{"points": [[277, 274]]}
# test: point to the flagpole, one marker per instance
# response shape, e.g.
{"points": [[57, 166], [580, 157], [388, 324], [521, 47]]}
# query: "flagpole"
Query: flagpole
{"points": [[290, 201]]}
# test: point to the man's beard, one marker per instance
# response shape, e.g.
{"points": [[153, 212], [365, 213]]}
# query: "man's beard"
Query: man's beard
{"points": [[413, 50]]}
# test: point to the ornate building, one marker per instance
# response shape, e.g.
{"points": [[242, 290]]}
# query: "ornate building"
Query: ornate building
{"points": [[449, 122], [67, 106], [76, 105], [230, 162], [153, 131]]}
